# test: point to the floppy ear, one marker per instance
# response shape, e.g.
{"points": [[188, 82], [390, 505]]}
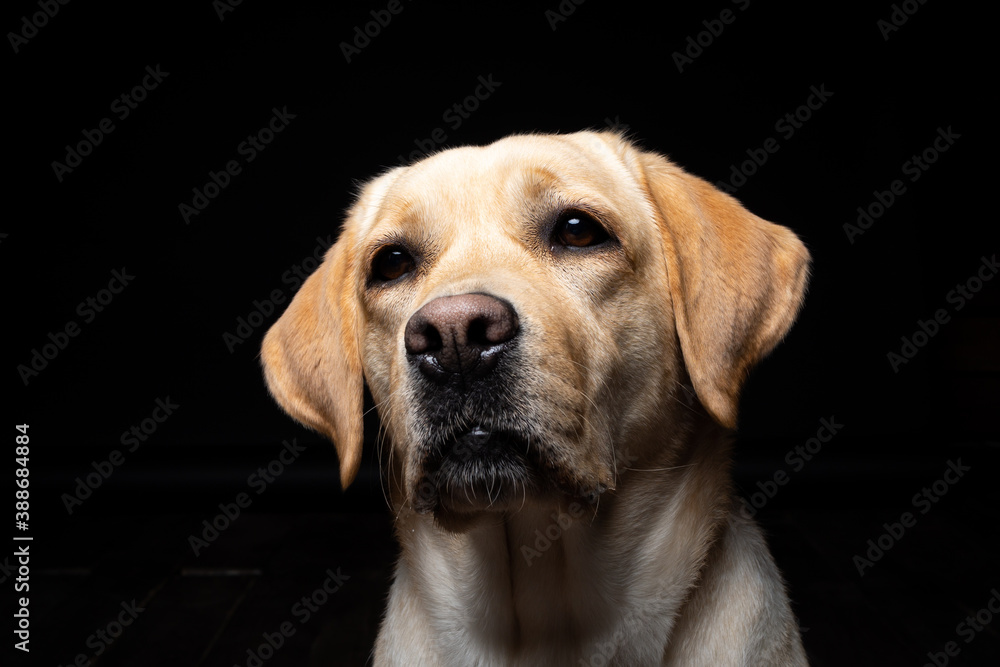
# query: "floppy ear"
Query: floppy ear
{"points": [[312, 360], [736, 281]]}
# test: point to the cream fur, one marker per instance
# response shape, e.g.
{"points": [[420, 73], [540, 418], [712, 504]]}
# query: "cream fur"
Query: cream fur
{"points": [[631, 360]]}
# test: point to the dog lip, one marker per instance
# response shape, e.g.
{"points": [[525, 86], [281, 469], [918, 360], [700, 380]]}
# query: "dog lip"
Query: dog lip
{"points": [[478, 435], [485, 470], [478, 469], [478, 441]]}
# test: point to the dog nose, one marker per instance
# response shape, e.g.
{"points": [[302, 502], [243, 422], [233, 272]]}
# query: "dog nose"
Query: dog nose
{"points": [[460, 335]]}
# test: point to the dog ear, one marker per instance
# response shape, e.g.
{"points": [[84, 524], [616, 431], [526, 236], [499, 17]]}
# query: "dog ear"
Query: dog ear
{"points": [[312, 360], [736, 281]]}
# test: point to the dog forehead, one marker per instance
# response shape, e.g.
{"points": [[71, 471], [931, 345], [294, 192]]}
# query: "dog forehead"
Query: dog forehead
{"points": [[469, 181], [583, 158]]}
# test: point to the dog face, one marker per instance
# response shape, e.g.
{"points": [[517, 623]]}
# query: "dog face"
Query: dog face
{"points": [[524, 312]]}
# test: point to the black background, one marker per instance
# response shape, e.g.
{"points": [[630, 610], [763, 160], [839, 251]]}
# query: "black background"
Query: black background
{"points": [[604, 64]]}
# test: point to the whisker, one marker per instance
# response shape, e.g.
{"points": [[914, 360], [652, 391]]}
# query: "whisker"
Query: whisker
{"points": [[686, 465]]}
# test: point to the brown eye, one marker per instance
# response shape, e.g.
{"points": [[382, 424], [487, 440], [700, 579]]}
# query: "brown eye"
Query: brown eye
{"points": [[392, 262], [578, 230]]}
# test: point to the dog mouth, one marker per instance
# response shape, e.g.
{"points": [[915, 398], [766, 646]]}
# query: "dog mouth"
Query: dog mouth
{"points": [[480, 470]]}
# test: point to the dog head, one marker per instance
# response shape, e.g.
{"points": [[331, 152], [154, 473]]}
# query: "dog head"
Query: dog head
{"points": [[527, 311]]}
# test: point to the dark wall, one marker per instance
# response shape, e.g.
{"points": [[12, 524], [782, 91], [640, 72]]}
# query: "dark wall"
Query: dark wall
{"points": [[157, 222], [715, 85]]}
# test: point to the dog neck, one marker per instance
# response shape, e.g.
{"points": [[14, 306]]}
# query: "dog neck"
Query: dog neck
{"points": [[551, 572]]}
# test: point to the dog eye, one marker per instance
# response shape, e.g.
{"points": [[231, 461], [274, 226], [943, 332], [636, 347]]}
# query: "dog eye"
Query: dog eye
{"points": [[579, 230], [392, 262]]}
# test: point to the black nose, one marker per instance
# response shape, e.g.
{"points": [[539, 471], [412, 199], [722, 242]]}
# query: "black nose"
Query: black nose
{"points": [[461, 335]]}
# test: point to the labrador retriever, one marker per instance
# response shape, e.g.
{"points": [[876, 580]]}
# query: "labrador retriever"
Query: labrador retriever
{"points": [[555, 330]]}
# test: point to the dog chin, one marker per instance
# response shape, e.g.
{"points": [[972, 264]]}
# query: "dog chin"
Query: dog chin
{"points": [[478, 471], [481, 473]]}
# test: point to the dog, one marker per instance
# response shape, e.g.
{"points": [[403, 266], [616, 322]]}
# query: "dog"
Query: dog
{"points": [[554, 330]]}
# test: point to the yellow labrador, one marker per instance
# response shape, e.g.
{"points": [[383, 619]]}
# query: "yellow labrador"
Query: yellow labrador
{"points": [[554, 329]]}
